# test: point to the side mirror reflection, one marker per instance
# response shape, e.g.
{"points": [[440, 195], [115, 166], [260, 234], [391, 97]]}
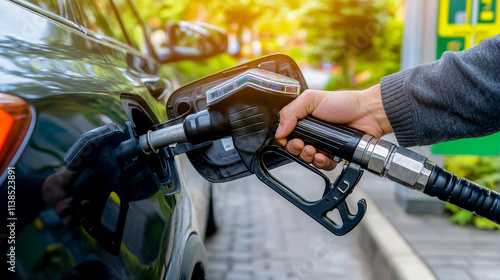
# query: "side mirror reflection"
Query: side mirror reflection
{"points": [[193, 41]]}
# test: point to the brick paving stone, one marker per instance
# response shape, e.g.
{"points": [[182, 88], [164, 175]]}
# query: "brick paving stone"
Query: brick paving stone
{"points": [[451, 252], [449, 261], [216, 275], [487, 274], [263, 236], [218, 266], [239, 275], [453, 274]]}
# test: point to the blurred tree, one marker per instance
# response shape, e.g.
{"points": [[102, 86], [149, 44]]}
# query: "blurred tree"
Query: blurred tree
{"points": [[345, 31], [353, 34], [161, 12]]}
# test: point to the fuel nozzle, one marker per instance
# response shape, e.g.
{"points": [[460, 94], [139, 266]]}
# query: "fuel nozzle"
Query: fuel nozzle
{"points": [[246, 108]]}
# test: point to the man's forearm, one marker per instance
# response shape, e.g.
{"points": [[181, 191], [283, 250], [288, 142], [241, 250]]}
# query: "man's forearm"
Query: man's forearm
{"points": [[455, 97]]}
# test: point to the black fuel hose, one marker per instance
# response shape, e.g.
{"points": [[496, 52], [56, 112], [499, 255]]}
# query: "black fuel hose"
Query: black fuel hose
{"points": [[463, 193]]}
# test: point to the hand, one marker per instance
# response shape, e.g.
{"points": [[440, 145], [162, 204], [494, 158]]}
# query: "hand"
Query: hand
{"points": [[362, 110], [55, 193]]}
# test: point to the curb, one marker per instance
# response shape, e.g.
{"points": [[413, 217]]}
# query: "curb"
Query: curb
{"points": [[388, 254]]}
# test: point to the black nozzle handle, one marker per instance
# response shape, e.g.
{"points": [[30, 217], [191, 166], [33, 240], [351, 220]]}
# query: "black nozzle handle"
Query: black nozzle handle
{"points": [[463, 193], [335, 139]]}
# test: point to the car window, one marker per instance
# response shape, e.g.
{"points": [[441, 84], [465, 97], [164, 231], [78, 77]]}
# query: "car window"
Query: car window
{"points": [[53, 6], [131, 24], [100, 16]]}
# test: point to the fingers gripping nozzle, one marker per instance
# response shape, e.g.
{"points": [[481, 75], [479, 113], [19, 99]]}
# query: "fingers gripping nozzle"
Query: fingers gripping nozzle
{"points": [[377, 156]]}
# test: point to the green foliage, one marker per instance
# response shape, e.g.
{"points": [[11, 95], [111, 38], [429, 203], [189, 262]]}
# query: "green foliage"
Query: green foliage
{"points": [[362, 37], [483, 223], [188, 71], [482, 170], [459, 216], [165, 11], [357, 35], [297, 54], [338, 82], [340, 26]]}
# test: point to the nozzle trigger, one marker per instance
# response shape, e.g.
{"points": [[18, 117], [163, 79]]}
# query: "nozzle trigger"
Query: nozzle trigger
{"points": [[334, 194]]}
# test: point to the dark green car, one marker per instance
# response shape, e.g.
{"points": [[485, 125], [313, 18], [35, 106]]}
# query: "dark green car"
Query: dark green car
{"points": [[67, 67]]}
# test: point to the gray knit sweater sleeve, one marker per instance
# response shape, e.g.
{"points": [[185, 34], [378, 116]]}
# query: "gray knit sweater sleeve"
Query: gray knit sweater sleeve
{"points": [[457, 96]]}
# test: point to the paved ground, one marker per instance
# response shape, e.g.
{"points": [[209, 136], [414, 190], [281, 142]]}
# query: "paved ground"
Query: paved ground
{"points": [[262, 236], [451, 252]]}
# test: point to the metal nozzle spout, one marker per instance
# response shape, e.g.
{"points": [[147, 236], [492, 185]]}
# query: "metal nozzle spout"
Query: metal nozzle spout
{"points": [[161, 138]]}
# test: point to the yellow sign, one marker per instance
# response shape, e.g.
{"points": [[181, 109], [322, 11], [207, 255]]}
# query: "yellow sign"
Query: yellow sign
{"points": [[474, 20], [461, 25]]}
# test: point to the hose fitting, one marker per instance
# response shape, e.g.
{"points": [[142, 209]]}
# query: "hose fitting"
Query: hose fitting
{"points": [[398, 164]]}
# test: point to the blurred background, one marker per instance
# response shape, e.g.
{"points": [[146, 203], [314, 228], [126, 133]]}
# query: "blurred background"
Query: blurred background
{"points": [[342, 38]]}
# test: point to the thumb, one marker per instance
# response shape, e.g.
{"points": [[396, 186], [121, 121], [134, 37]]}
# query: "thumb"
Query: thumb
{"points": [[298, 109]]}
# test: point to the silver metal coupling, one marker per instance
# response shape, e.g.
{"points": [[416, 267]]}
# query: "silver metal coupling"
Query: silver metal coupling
{"points": [[152, 141], [398, 164]]}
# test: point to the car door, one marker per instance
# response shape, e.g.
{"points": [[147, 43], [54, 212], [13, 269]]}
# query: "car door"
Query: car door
{"points": [[135, 70], [49, 61], [54, 67]]}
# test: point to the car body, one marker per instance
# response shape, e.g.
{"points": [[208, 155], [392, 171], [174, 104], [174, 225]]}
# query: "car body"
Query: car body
{"points": [[70, 66]]}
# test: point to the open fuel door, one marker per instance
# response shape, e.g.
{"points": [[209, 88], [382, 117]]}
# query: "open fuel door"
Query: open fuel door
{"points": [[219, 161]]}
